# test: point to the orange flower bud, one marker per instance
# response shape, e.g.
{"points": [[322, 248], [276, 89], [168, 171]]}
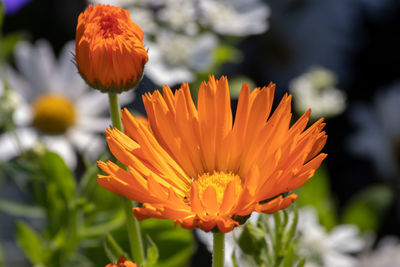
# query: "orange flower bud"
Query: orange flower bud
{"points": [[122, 262], [110, 55]]}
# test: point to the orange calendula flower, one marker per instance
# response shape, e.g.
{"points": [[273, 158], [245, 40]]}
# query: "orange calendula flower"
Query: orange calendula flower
{"points": [[198, 168], [122, 262], [109, 49]]}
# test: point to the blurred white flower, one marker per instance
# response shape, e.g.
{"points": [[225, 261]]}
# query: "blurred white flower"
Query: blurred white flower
{"points": [[315, 89], [378, 135], [145, 18], [182, 34], [171, 56], [180, 15], [56, 106], [234, 17], [328, 249], [9, 102], [386, 254]]}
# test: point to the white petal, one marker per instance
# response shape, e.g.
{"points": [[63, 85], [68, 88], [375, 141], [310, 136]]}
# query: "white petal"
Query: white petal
{"points": [[345, 238], [37, 64], [92, 103], [71, 82], [372, 141], [12, 145], [90, 144], [21, 86], [388, 110], [45, 64], [94, 124], [23, 115], [61, 146], [333, 259], [201, 54], [126, 98]]}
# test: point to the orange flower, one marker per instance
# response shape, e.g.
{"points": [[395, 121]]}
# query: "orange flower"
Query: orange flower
{"points": [[110, 55], [198, 168], [122, 262]]}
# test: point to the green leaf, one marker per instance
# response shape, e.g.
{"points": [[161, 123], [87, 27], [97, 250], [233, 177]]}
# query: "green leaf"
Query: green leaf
{"points": [[21, 210], [110, 225], [226, 53], [57, 171], [31, 243], [235, 85], [252, 240], [112, 248], [367, 207], [7, 45], [152, 253], [291, 233], [56, 209], [289, 256], [2, 264], [302, 262], [234, 261], [175, 245], [316, 193], [88, 180]]}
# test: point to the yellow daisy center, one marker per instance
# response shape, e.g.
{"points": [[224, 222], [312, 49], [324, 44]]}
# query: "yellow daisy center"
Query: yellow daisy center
{"points": [[218, 180], [53, 114]]}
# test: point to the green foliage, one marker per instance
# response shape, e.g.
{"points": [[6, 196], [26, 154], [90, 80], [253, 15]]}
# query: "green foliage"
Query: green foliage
{"points": [[7, 45], [8, 42], [226, 53], [271, 242], [32, 244], [2, 263], [152, 253], [235, 85], [21, 210], [316, 193], [112, 248], [175, 245], [367, 207], [57, 172], [252, 239]]}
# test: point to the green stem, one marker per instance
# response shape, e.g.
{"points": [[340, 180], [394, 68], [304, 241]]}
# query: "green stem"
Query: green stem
{"points": [[135, 238], [2, 264], [219, 249]]}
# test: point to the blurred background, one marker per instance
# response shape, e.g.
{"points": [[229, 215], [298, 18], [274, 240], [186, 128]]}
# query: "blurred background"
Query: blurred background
{"points": [[339, 57]]}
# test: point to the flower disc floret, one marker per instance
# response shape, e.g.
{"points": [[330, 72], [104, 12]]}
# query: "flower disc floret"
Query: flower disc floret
{"points": [[109, 49], [53, 114], [199, 169]]}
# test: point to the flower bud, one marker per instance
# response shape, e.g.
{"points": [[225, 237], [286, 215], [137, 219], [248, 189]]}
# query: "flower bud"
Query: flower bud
{"points": [[109, 50]]}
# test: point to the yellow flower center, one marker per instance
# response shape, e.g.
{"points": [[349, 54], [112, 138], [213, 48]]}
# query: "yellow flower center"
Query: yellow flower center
{"points": [[53, 114], [218, 180]]}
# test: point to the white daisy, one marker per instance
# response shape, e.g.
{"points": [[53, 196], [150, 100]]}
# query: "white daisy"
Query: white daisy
{"points": [[378, 134], [386, 254], [235, 17], [323, 248], [56, 106], [315, 89], [173, 57]]}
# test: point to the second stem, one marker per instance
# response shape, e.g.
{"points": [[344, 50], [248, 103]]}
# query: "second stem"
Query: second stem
{"points": [[135, 238]]}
